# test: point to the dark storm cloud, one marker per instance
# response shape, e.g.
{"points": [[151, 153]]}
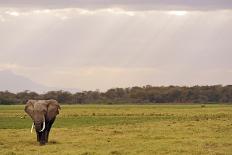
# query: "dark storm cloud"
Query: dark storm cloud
{"points": [[126, 4]]}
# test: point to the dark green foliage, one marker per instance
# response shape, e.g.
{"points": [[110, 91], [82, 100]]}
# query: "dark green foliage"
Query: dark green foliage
{"points": [[8, 98], [146, 94]]}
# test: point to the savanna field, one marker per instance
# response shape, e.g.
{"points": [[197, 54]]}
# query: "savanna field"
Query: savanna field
{"points": [[122, 129]]}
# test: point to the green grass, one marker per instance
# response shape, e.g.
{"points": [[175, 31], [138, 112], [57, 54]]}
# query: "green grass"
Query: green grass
{"points": [[123, 129]]}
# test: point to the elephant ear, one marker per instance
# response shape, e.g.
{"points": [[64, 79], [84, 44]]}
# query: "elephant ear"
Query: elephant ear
{"points": [[29, 107], [53, 109]]}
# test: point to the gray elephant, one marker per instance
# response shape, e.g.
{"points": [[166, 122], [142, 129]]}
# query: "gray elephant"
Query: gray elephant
{"points": [[43, 114]]}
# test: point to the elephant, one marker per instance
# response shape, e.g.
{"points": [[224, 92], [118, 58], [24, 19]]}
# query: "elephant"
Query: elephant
{"points": [[43, 114]]}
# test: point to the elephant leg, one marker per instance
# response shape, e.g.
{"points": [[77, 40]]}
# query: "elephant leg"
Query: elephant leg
{"points": [[42, 138], [47, 134], [48, 129]]}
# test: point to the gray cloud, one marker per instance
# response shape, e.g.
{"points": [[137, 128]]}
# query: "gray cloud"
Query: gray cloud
{"points": [[126, 4]]}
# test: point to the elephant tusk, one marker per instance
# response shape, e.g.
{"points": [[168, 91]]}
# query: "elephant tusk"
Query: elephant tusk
{"points": [[32, 127], [43, 126]]}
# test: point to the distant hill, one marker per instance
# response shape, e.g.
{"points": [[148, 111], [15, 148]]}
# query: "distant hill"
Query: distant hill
{"points": [[16, 83]]}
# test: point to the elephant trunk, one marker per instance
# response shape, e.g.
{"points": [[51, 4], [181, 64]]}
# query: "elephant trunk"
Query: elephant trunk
{"points": [[40, 126]]}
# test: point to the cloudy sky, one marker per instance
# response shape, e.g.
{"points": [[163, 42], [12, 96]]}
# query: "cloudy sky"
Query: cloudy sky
{"points": [[100, 44]]}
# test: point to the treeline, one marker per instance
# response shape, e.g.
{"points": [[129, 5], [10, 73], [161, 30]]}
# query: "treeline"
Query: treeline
{"points": [[146, 94]]}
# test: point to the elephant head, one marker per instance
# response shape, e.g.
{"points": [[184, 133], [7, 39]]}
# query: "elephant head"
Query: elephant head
{"points": [[42, 111]]}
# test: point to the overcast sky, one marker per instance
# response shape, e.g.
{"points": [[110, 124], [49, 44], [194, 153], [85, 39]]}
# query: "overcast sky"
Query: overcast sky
{"points": [[99, 44]]}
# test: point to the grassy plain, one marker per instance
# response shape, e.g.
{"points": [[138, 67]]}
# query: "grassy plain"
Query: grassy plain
{"points": [[122, 129]]}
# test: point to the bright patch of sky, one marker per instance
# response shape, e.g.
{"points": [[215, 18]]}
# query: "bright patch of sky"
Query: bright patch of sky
{"points": [[103, 46]]}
